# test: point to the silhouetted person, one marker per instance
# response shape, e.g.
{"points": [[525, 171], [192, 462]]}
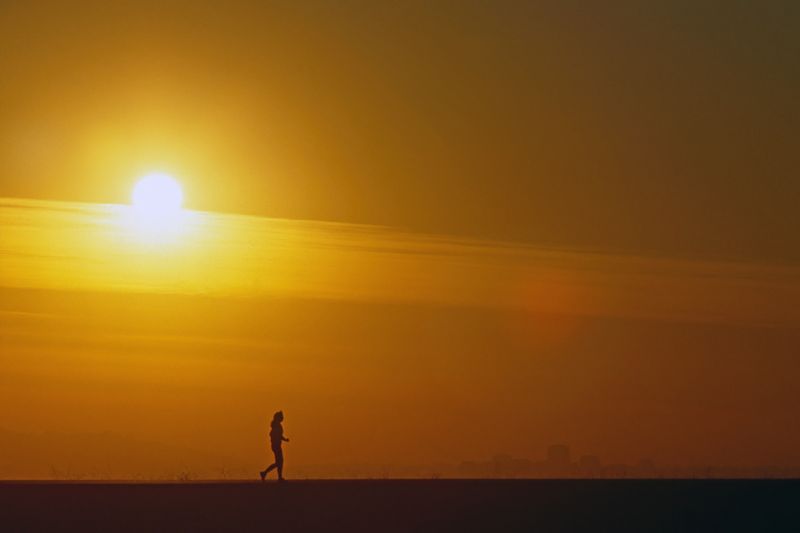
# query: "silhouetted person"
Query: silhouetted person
{"points": [[276, 440]]}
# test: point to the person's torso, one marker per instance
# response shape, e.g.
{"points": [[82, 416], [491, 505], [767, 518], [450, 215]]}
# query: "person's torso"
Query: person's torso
{"points": [[276, 434]]}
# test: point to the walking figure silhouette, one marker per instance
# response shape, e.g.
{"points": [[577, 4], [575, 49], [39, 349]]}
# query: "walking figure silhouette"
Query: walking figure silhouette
{"points": [[276, 440]]}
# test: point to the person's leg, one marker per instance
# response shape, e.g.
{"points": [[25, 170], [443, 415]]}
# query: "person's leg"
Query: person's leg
{"points": [[270, 468], [279, 462], [277, 453]]}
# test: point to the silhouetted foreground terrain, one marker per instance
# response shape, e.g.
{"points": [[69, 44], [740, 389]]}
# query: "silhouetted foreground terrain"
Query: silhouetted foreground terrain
{"points": [[391, 505]]}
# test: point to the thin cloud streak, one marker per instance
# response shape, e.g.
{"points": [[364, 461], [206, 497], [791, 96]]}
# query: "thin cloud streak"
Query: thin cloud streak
{"points": [[78, 246]]}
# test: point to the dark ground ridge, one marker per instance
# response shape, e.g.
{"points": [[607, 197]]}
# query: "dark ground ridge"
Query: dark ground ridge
{"points": [[403, 505]]}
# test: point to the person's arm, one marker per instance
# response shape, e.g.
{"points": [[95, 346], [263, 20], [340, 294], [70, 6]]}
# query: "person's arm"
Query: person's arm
{"points": [[284, 439]]}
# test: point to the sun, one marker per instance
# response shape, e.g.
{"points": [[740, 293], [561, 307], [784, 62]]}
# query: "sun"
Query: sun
{"points": [[157, 195], [156, 215]]}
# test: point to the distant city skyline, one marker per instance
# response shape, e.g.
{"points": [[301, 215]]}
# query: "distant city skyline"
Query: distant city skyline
{"points": [[109, 456]]}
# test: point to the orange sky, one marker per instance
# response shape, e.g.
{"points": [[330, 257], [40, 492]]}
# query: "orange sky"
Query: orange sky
{"points": [[428, 233]]}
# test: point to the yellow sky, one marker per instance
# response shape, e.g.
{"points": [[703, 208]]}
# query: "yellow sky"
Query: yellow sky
{"points": [[370, 338], [427, 231], [90, 247], [668, 129]]}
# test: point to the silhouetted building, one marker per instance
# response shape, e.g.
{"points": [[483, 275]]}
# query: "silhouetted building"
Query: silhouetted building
{"points": [[617, 470], [502, 464], [558, 456], [646, 468], [589, 465], [475, 469], [558, 461], [506, 466]]}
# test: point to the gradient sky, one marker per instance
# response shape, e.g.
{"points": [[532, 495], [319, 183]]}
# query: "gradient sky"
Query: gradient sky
{"points": [[665, 126], [429, 231]]}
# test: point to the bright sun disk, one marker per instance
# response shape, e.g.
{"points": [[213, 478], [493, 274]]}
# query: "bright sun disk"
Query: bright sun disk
{"points": [[156, 216], [157, 195]]}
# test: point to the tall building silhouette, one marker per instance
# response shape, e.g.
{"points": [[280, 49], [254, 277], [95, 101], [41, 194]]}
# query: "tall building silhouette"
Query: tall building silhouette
{"points": [[558, 456]]}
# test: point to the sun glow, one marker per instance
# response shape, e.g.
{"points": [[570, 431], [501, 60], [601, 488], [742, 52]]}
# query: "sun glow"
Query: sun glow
{"points": [[157, 195], [156, 215]]}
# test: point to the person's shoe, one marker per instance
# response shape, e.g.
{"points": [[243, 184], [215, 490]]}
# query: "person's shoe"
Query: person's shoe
{"points": [[281, 479], [263, 474]]}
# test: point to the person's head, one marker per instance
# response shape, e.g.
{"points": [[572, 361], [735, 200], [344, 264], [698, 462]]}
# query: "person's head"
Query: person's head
{"points": [[278, 417]]}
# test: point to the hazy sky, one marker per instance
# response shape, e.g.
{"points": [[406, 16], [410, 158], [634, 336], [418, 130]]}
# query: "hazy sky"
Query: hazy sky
{"points": [[429, 231], [661, 126]]}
